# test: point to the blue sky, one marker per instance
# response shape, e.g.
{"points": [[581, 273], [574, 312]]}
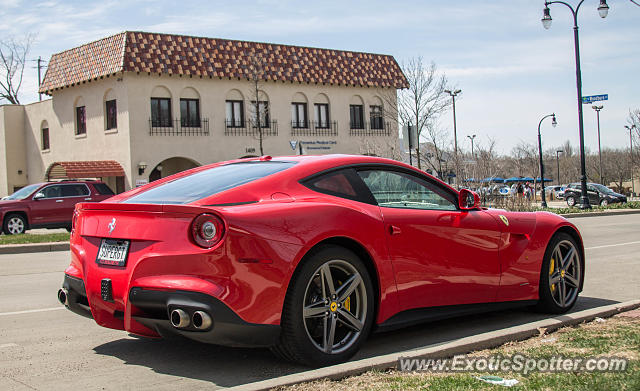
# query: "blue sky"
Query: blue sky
{"points": [[511, 71]]}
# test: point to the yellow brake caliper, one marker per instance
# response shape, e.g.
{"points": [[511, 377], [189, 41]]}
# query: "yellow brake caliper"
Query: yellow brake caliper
{"points": [[347, 304], [552, 267]]}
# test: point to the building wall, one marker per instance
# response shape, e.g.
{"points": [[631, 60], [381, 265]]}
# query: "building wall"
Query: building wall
{"points": [[153, 149], [131, 143], [13, 162]]}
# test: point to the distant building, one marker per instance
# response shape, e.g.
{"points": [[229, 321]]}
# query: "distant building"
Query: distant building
{"points": [[137, 106]]}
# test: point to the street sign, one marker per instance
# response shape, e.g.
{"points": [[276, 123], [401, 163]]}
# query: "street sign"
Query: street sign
{"points": [[293, 144], [409, 134], [594, 98]]}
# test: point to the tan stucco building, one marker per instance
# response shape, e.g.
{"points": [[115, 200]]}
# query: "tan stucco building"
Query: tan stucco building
{"points": [[138, 106]]}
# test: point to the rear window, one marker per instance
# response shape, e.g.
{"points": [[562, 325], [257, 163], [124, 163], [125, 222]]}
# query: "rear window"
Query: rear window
{"points": [[103, 189], [208, 182]]}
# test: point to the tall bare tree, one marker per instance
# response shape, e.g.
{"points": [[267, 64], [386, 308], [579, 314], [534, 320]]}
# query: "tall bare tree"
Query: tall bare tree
{"points": [[435, 154], [259, 122], [13, 58], [422, 102]]}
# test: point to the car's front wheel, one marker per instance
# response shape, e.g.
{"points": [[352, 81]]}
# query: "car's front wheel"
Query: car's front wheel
{"points": [[328, 310], [571, 201], [561, 275], [604, 202], [14, 224]]}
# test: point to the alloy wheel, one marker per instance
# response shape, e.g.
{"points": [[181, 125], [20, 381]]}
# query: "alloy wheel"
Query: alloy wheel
{"points": [[15, 225], [564, 274], [335, 307]]}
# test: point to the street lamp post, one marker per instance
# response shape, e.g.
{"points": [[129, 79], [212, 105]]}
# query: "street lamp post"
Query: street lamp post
{"points": [[630, 129], [473, 156], [558, 165], [603, 9], [455, 131], [597, 109], [554, 123]]}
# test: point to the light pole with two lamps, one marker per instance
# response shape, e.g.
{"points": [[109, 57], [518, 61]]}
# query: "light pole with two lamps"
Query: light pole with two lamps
{"points": [[603, 10], [558, 165], [630, 129], [455, 131], [597, 109], [554, 123]]}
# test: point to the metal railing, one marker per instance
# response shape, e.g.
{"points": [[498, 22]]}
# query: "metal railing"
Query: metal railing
{"points": [[179, 128], [370, 128], [249, 128], [314, 128]]}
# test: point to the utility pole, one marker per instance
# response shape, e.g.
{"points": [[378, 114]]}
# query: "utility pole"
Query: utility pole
{"points": [[558, 164], [471, 138], [630, 129], [39, 78]]}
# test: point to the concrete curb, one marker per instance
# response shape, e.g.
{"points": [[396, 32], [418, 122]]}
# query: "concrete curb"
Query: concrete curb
{"points": [[464, 345], [34, 247], [607, 213]]}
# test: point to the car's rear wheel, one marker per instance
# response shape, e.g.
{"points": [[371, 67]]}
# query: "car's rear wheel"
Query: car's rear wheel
{"points": [[14, 224], [571, 201], [604, 202], [328, 311], [561, 275]]}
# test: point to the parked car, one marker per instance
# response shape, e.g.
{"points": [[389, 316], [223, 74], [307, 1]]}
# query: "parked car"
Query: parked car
{"points": [[597, 193], [48, 205], [556, 191], [309, 254]]}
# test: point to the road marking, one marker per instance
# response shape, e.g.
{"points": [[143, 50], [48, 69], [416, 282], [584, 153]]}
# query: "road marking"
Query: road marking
{"points": [[612, 245], [31, 311]]}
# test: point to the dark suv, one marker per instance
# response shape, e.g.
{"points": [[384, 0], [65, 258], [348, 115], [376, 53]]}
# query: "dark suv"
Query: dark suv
{"points": [[48, 205], [598, 194]]}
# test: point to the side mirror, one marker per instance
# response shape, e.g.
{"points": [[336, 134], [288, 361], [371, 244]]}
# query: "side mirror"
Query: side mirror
{"points": [[468, 200], [38, 196]]}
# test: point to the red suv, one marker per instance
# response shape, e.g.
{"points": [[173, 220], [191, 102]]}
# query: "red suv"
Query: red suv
{"points": [[48, 205]]}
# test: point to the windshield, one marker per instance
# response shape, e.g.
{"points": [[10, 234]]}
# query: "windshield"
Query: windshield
{"points": [[23, 193], [603, 189], [208, 182]]}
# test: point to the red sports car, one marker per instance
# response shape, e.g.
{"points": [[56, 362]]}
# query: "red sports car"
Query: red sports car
{"points": [[309, 254]]}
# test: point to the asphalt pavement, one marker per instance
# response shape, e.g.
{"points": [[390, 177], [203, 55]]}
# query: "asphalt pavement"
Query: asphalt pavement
{"points": [[43, 346]]}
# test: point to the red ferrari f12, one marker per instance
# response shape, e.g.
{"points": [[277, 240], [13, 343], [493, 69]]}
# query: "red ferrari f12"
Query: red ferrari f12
{"points": [[309, 254]]}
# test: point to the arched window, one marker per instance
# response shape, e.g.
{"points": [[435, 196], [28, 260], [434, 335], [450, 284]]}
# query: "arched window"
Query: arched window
{"points": [[356, 112], [190, 108], [110, 111], [376, 114], [161, 108], [299, 116], [234, 117], [80, 116], [321, 111]]}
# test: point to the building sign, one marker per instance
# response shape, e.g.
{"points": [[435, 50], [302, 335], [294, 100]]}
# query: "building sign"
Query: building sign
{"points": [[319, 145], [141, 182], [249, 150], [293, 144]]}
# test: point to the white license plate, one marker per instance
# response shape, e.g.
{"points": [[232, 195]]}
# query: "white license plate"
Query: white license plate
{"points": [[113, 252]]}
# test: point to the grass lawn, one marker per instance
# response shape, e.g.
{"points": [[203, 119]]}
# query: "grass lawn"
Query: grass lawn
{"points": [[31, 238], [618, 336]]}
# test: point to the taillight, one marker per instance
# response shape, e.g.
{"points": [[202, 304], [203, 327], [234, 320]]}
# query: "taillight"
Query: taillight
{"points": [[207, 230], [73, 220]]}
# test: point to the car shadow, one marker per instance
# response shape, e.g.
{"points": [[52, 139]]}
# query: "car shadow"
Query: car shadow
{"points": [[227, 367]]}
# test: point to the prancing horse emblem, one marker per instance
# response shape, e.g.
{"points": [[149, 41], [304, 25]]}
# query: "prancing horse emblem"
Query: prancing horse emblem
{"points": [[112, 225]]}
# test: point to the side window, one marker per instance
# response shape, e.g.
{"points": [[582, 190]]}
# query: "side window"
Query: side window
{"points": [[103, 189], [54, 191], [398, 190], [337, 183], [591, 188], [74, 190]]}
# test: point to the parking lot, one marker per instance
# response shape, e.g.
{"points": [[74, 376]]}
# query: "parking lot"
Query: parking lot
{"points": [[43, 346]]}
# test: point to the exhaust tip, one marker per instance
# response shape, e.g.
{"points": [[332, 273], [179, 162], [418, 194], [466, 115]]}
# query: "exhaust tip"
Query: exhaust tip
{"points": [[63, 296], [201, 320], [179, 318]]}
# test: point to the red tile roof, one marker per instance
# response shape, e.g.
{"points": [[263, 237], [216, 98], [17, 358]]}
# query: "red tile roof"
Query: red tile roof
{"points": [[218, 58], [86, 169]]}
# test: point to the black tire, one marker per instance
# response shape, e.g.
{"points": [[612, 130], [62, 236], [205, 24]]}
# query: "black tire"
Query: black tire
{"points": [[296, 343], [571, 201], [569, 275], [14, 224], [604, 202], [68, 228]]}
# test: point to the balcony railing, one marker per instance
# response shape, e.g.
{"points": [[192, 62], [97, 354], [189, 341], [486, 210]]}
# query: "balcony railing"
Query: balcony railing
{"points": [[179, 128], [370, 128], [249, 128], [314, 128]]}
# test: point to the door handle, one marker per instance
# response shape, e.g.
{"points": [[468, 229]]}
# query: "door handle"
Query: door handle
{"points": [[59, 200], [393, 230]]}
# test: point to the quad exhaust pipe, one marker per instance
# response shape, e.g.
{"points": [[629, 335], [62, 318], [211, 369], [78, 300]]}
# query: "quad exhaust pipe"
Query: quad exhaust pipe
{"points": [[63, 296], [179, 318], [201, 320]]}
